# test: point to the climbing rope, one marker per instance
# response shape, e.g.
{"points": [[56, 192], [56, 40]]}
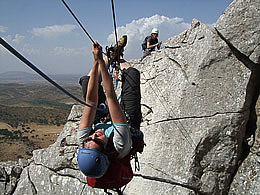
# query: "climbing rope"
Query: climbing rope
{"points": [[28, 63], [74, 16], [169, 181], [118, 52], [114, 18], [82, 27]]}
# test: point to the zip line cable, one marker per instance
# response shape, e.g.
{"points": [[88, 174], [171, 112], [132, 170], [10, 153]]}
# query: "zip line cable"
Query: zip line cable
{"points": [[28, 63], [114, 21], [66, 5], [114, 18], [82, 27]]}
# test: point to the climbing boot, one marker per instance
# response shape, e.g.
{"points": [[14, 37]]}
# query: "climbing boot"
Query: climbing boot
{"points": [[119, 47], [122, 42]]}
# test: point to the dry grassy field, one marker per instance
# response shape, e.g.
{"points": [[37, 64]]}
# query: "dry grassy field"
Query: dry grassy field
{"points": [[31, 137], [31, 117]]}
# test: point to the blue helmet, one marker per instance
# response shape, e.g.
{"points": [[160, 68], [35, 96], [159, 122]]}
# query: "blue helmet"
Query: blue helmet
{"points": [[92, 163]]}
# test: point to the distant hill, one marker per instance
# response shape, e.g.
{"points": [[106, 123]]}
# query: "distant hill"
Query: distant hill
{"points": [[19, 75], [30, 78]]}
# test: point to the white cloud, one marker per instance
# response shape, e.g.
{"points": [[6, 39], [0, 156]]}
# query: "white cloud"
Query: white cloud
{"points": [[62, 51], [53, 30], [3, 29], [13, 41], [31, 51], [18, 39], [137, 30]]}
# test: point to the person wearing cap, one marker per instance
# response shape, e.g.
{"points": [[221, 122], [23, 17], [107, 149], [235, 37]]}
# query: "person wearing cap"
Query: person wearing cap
{"points": [[152, 41], [112, 139]]}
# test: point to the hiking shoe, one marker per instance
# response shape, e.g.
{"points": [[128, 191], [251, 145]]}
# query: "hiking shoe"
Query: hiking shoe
{"points": [[121, 44], [114, 52], [122, 41]]}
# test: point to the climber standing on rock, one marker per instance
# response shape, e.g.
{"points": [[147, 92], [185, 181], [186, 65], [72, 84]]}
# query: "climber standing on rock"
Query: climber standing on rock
{"points": [[104, 155]]}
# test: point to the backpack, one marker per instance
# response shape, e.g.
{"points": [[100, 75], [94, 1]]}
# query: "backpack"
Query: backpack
{"points": [[144, 44]]}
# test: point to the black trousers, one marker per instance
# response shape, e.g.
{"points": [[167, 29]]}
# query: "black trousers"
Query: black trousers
{"points": [[130, 96]]}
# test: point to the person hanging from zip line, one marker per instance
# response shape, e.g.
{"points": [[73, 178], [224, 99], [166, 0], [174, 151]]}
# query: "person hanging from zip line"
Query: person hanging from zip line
{"points": [[151, 43], [105, 148], [130, 93]]}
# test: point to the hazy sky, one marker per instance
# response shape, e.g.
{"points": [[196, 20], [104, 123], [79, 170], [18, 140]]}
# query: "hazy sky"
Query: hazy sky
{"points": [[48, 36]]}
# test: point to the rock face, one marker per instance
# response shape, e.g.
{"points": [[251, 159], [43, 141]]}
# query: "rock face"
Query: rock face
{"points": [[200, 104], [240, 25]]}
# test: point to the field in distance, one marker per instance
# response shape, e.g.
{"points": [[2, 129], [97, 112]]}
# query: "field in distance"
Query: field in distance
{"points": [[32, 115], [19, 142]]}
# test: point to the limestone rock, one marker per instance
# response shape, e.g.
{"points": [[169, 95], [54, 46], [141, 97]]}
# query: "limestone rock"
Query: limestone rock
{"points": [[9, 176], [247, 179], [240, 25], [198, 118], [200, 105]]}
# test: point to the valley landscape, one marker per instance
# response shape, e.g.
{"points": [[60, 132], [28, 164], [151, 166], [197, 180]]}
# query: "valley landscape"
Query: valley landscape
{"points": [[32, 112]]}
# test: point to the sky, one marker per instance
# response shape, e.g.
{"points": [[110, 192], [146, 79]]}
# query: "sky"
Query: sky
{"points": [[47, 35]]}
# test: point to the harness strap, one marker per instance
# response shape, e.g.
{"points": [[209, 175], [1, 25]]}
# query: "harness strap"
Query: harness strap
{"points": [[117, 79], [137, 164]]}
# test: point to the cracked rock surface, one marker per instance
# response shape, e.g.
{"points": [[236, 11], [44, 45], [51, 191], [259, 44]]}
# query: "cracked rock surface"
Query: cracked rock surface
{"points": [[240, 25], [201, 107]]}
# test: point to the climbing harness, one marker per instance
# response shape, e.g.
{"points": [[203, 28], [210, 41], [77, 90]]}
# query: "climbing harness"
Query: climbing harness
{"points": [[28, 63], [137, 135], [113, 69], [113, 64]]}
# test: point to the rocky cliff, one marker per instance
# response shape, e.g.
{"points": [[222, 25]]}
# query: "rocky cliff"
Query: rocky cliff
{"points": [[201, 118]]}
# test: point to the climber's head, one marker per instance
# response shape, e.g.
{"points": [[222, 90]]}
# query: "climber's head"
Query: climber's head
{"points": [[92, 163], [91, 159], [155, 33]]}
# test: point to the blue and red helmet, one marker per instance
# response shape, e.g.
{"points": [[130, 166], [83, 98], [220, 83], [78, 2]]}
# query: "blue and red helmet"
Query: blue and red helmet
{"points": [[92, 163]]}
